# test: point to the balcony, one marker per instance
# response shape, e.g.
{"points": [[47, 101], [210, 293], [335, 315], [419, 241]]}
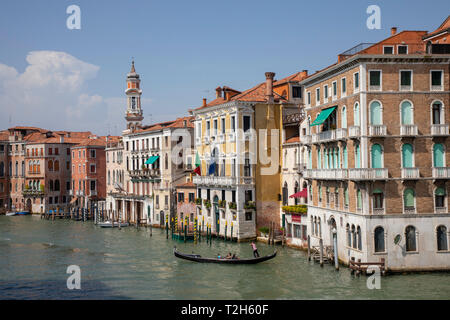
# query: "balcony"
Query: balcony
{"points": [[222, 181], [306, 139], [368, 174], [326, 174], [441, 210], [408, 130], [441, 172], [409, 210], [341, 134], [377, 130], [378, 211], [439, 129], [33, 193], [80, 193], [354, 132], [410, 173]]}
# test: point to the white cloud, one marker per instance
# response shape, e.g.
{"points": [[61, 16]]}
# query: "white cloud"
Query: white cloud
{"points": [[51, 93]]}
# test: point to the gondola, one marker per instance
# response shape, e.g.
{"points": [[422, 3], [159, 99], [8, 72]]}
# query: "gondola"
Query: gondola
{"points": [[199, 258]]}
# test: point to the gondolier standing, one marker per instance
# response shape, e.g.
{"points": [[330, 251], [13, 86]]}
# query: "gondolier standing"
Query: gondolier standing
{"points": [[255, 250]]}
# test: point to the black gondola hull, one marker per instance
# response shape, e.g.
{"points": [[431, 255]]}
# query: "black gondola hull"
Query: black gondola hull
{"points": [[198, 258]]}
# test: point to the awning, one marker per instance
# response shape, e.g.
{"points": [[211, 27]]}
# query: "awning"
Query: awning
{"points": [[301, 194], [151, 160], [323, 116]]}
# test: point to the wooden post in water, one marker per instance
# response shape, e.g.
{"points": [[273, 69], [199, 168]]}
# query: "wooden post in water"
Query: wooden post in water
{"points": [[309, 248], [119, 217], [225, 235], [321, 252], [171, 228], [335, 249], [112, 218], [167, 227], [231, 235]]}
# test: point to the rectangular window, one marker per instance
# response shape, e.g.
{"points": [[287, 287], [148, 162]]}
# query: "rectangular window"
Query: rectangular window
{"points": [[93, 185], [356, 81], [317, 95], [191, 197], [50, 151], [233, 123], [157, 200], [248, 216], [208, 128], [344, 86], [402, 49], [388, 50], [325, 92], [247, 168], [246, 123], [334, 89], [92, 168], [166, 200], [375, 79], [405, 80], [93, 154], [296, 92], [436, 80], [223, 125], [180, 197], [308, 98], [215, 127]]}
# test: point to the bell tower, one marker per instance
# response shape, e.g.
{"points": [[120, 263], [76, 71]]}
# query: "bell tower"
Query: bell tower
{"points": [[134, 115]]}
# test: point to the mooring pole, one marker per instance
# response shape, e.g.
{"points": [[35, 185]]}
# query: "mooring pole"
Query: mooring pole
{"points": [[321, 252], [335, 245], [167, 227], [225, 235], [309, 248], [231, 236]]}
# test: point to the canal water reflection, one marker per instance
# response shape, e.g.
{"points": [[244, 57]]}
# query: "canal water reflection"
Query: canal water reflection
{"points": [[129, 264]]}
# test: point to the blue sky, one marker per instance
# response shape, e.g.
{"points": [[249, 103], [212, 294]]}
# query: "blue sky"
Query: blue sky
{"points": [[182, 49]]}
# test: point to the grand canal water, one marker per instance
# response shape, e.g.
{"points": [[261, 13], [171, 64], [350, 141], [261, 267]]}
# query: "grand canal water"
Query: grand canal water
{"points": [[129, 264]]}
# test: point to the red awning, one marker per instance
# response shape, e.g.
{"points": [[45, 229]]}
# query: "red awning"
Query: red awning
{"points": [[301, 194]]}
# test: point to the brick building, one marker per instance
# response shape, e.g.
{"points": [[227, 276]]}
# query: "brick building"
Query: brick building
{"points": [[376, 140]]}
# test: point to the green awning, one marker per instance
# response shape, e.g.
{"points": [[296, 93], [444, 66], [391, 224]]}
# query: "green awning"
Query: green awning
{"points": [[323, 116], [151, 160]]}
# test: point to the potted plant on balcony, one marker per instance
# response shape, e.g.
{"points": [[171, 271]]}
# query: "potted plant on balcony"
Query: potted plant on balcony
{"points": [[198, 201], [222, 203], [250, 205], [42, 188], [232, 205], [207, 203]]}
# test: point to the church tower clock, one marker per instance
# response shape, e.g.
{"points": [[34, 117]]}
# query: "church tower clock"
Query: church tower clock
{"points": [[134, 115]]}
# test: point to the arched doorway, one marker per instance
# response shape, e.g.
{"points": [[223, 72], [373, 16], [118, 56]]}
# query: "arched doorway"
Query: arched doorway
{"points": [[216, 213], [161, 218]]}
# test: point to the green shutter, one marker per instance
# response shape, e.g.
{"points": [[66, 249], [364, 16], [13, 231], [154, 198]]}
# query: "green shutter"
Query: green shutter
{"points": [[438, 155], [356, 115], [407, 154], [346, 196], [359, 199], [345, 158], [407, 113], [357, 160], [440, 192], [377, 156], [344, 118], [319, 160], [409, 197], [375, 113]]}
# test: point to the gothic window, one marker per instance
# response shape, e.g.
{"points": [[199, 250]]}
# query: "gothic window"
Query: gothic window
{"points": [[57, 187], [439, 198], [56, 165], [438, 155], [50, 165], [375, 113], [410, 237], [407, 155], [441, 234], [407, 113], [133, 103]]}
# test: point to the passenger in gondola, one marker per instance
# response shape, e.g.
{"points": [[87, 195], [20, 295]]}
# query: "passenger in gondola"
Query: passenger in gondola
{"points": [[218, 256], [229, 256], [234, 257]]}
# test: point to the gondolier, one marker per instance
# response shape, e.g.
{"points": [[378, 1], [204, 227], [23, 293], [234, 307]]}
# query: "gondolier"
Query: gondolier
{"points": [[255, 250]]}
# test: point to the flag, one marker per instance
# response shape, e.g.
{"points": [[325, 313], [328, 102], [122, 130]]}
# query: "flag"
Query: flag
{"points": [[198, 165], [212, 168]]}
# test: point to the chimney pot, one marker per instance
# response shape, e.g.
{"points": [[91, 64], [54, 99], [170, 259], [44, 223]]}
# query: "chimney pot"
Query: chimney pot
{"points": [[204, 102], [218, 92], [269, 85], [393, 30]]}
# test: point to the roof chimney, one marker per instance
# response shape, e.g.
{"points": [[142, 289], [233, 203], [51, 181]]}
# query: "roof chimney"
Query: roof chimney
{"points": [[393, 30], [304, 74], [218, 92], [269, 86], [204, 102]]}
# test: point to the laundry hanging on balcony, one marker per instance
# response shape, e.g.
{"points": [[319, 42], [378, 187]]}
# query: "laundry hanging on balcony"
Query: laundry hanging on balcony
{"points": [[151, 160], [300, 194], [323, 116]]}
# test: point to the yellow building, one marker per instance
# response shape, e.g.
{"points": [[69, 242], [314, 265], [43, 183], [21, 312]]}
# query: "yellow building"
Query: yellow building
{"points": [[238, 138]]}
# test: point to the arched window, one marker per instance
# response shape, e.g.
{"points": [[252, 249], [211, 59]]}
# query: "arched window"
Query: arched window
{"points": [[320, 227], [375, 113], [56, 165], [407, 113], [407, 156], [57, 185], [357, 157], [378, 199], [285, 194], [410, 237], [315, 226], [345, 157], [353, 236], [319, 159], [50, 165], [437, 113], [358, 200], [439, 198], [377, 156], [356, 114], [309, 159], [441, 234], [349, 235], [408, 200], [344, 117], [17, 169], [358, 232], [379, 239], [438, 155], [109, 177], [51, 185], [346, 198]]}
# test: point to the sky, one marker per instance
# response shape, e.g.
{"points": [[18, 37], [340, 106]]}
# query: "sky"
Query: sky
{"points": [[61, 79]]}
